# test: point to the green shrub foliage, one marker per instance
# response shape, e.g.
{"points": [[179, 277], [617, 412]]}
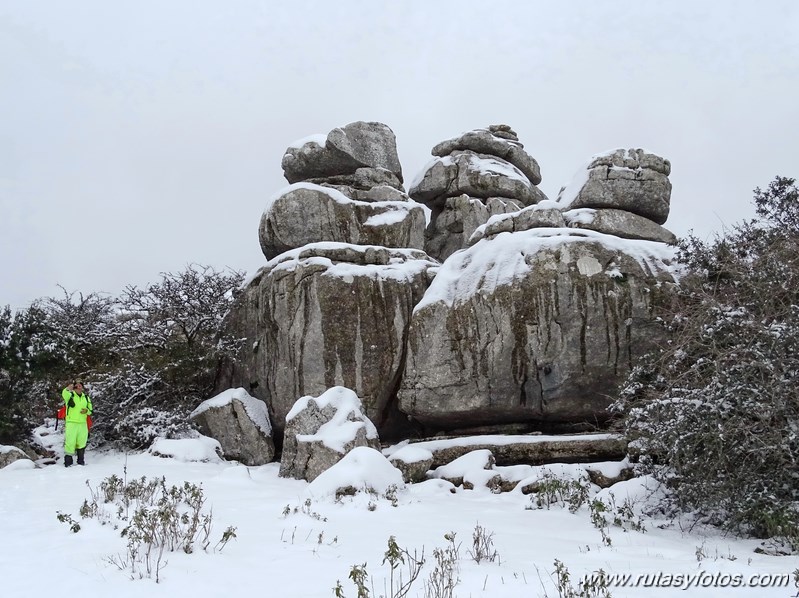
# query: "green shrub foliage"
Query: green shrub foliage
{"points": [[716, 412]]}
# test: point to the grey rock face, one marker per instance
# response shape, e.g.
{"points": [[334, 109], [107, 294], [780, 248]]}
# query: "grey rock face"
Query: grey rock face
{"points": [[476, 175], [496, 140], [328, 315], [345, 150], [320, 431], [533, 326], [451, 227], [240, 423], [630, 180], [620, 224], [307, 213]]}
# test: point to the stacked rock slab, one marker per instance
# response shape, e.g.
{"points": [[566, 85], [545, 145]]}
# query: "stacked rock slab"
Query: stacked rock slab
{"points": [[333, 303], [479, 174], [540, 319]]}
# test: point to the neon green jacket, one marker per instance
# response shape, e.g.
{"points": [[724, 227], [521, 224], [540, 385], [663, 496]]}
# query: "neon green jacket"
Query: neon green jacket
{"points": [[82, 401]]}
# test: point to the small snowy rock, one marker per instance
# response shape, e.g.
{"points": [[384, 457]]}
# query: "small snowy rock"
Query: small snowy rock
{"points": [[413, 462], [240, 423], [471, 467], [321, 430]]}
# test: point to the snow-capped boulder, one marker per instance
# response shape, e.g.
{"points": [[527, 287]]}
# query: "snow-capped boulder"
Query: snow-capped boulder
{"points": [[625, 179], [539, 325], [363, 469], [472, 470], [325, 315], [473, 174], [306, 213], [11, 454], [496, 140], [343, 151], [240, 423], [321, 430]]}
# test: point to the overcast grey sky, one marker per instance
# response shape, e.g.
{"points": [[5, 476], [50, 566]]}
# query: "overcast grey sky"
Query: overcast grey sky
{"points": [[138, 137]]}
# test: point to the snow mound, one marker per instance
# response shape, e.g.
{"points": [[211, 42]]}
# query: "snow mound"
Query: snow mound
{"points": [[363, 469], [255, 408], [187, 450]]}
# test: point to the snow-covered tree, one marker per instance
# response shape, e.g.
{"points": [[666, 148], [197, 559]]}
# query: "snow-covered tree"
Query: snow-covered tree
{"points": [[148, 356], [716, 412], [168, 349]]}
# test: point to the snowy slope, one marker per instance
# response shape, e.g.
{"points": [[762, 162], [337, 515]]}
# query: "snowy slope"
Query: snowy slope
{"points": [[303, 554]]}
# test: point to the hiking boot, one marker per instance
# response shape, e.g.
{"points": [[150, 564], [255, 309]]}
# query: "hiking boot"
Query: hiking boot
{"points": [[67, 460], [81, 453]]}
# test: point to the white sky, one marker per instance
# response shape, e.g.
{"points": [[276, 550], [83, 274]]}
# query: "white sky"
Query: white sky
{"points": [[138, 137]]}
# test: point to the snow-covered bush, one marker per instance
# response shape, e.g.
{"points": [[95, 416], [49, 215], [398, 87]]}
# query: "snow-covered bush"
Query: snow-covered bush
{"points": [[147, 357], [716, 412]]}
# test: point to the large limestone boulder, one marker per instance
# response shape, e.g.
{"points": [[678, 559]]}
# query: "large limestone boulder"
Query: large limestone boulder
{"points": [[329, 314], [538, 325], [497, 140], [623, 179], [321, 430], [306, 213], [343, 151], [240, 423], [473, 174]]}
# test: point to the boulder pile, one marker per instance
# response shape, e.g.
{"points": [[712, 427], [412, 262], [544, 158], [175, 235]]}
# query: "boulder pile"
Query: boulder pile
{"points": [[509, 311]]}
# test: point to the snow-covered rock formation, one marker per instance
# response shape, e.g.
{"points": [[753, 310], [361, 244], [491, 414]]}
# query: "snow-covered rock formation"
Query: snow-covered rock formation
{"points": [[534, 318]]}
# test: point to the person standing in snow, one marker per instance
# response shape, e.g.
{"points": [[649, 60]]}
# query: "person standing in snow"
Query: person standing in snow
{"points": [[76, 431]]}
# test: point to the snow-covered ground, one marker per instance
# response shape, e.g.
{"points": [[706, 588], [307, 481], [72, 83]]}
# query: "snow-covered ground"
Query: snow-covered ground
{"points": [[280, 552]]}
